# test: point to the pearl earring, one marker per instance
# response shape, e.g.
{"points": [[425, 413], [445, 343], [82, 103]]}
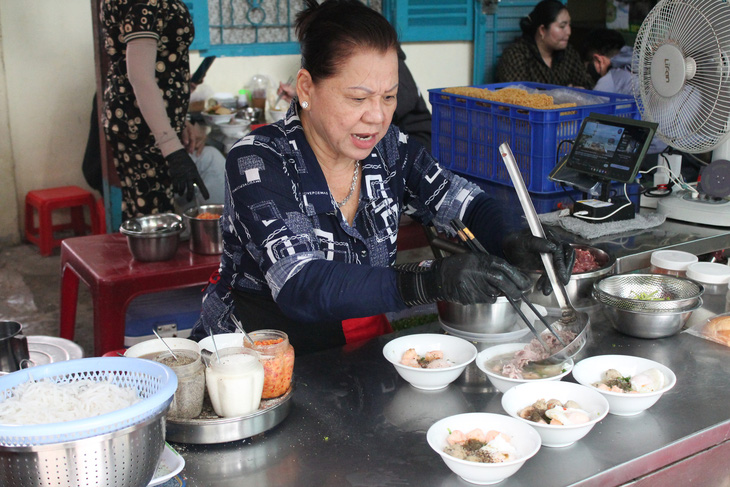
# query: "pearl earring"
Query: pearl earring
{"points": [[305, 104]]}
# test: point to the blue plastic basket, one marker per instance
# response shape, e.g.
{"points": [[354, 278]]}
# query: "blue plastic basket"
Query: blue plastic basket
{"points": [[155, 384], [467, 133]]}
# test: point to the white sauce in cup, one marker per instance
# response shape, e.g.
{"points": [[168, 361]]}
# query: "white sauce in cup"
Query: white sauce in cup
{"points": [[235, 383]]}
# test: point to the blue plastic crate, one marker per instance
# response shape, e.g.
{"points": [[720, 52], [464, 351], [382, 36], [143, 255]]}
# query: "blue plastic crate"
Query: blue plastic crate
{"points": [[467, 133], [172, 313]]}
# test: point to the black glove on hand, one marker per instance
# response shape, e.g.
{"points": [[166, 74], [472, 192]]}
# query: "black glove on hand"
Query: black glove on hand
{"points": [[184, 175], [523, 250], [461, 278]]}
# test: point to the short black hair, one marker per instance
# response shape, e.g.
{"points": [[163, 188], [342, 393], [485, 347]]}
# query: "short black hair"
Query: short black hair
{"points": [[329, 32], [606, 42]]}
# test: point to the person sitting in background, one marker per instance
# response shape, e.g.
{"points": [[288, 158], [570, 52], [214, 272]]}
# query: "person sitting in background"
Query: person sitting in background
{"points": [[608, 61], [543, 54], [313, 203]]}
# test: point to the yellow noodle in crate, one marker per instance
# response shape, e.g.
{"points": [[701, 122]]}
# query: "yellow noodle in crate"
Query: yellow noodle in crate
{"points": [[512, 96]]}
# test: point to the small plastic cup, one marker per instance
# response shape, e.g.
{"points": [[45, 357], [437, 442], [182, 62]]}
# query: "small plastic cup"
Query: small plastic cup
{"points": [[235, 379]]}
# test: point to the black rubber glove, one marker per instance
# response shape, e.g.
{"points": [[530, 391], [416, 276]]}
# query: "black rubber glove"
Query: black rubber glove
{"points": [[461, 278], [523, 250], [184, 175]]}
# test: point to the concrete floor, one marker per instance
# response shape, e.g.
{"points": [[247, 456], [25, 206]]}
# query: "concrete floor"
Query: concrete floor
{"points": [[30, 293]]}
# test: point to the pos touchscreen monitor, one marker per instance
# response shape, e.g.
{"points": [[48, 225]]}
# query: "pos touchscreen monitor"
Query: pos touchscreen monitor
{"points": [[609, 148]]}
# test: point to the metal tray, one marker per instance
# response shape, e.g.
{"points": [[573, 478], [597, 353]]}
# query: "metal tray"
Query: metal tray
{"points": [[209, 428]]}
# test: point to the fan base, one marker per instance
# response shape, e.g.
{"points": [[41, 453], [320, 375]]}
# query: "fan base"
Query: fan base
{"points": [[681, 206]]}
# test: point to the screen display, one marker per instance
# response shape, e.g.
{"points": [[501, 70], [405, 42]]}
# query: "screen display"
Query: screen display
{"points": [[611, 148]]}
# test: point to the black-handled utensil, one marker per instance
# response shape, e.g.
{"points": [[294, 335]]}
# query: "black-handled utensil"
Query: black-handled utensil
{"points": [[468, 237]]}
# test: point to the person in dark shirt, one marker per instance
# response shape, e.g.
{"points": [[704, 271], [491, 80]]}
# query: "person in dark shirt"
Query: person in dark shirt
{"points": [[543, 54], [313, 203]]}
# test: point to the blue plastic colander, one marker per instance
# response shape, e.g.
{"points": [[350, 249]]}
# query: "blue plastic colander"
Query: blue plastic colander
{"points": [[155, 384]]}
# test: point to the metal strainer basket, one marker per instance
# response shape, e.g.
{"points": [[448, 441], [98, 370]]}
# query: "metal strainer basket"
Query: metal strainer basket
{"points": [[650, 293], [119, 449]]}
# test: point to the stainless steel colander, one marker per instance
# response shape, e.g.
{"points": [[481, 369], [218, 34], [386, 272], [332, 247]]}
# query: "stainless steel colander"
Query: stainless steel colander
{"points": [[123, 458], [648, 292]]}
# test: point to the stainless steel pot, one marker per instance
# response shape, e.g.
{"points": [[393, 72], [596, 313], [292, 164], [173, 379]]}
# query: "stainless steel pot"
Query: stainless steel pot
{"points": [[13, 347], [206, 236], [478, 319]]}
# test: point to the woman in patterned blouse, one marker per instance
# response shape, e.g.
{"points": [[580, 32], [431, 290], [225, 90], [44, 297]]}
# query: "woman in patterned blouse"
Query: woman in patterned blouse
{"points": [[146, 102], [313, 202], [542, 54]]}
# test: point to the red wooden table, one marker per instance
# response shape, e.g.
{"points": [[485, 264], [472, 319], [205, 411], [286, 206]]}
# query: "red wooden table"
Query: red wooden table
{"points": [[105, 264]]}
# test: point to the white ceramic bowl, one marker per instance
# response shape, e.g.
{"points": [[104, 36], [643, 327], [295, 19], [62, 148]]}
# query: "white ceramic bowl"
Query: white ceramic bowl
{"points": [[589, 399], [212, 119], [590, 370], [524, 438], [277, 115], [502, 383], [223, 340], [457, 350], [236, 127], [150, 348]]}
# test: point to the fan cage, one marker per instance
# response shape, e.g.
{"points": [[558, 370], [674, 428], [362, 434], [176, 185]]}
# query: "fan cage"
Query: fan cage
{"points": [[697, 118]]}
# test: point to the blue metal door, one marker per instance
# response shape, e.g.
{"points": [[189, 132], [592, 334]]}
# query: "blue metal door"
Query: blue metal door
{"points": [[496, 25]]}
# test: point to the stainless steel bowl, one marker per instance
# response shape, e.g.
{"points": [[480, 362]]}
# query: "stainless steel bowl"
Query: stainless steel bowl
{"points": [[206, 236], [580, 286], [646, 324], [478, 319], [153, 238], [123, 458]]}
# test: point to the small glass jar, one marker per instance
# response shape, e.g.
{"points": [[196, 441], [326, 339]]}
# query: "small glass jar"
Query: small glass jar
{"points": [[672, 262], [235, 379], [277, 357], [714, 278], [187, 403]]}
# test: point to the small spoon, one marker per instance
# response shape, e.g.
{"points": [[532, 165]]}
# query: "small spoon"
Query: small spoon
{"points": [[215, 347], [165, 344], [238, 324]]}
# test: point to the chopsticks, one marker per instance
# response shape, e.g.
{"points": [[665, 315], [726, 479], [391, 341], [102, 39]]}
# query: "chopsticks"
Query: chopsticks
{"points": [[281, 95], [475, 246]]}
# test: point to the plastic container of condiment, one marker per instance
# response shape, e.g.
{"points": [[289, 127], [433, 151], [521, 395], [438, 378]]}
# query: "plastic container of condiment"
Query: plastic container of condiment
{"points": [[187, 403], [672, 262], [277, 357], [235, 381]]}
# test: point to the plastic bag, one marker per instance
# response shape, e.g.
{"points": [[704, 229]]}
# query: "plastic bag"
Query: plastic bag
{"points": [[715, 328], [567, 95]]}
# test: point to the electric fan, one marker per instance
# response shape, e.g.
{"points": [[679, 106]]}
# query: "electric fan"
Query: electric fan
{"points": [[682, 65]]}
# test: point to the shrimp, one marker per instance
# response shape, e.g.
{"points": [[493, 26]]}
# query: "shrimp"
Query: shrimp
{"points": [[434, 355], [456, 437], [477, 434], [410, 358]]}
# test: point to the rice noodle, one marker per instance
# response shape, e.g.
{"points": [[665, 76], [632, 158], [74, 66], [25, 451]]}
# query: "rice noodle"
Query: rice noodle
{"points": [[43, 402]]}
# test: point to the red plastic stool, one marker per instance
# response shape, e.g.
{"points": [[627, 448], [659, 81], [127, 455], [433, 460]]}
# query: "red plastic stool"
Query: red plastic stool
{"points": [[44, 201]]}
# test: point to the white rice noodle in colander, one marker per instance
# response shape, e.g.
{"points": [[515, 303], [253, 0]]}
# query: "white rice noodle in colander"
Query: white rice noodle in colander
{"points": [[43, 402]]}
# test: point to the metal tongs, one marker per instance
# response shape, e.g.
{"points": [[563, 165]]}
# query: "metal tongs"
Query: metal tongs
{"points": [[570, 320], [475, 246]]}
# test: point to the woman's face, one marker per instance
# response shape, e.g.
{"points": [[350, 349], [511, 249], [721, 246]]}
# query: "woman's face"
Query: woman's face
{"points": [[557, 34], [350, 112]]}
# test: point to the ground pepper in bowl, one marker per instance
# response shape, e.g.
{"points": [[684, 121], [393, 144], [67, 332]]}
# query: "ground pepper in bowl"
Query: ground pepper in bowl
{"points": [[277, 357]]}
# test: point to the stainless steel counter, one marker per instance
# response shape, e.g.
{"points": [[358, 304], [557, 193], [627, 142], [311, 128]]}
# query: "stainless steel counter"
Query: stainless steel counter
{"points": [[355, 422]]}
